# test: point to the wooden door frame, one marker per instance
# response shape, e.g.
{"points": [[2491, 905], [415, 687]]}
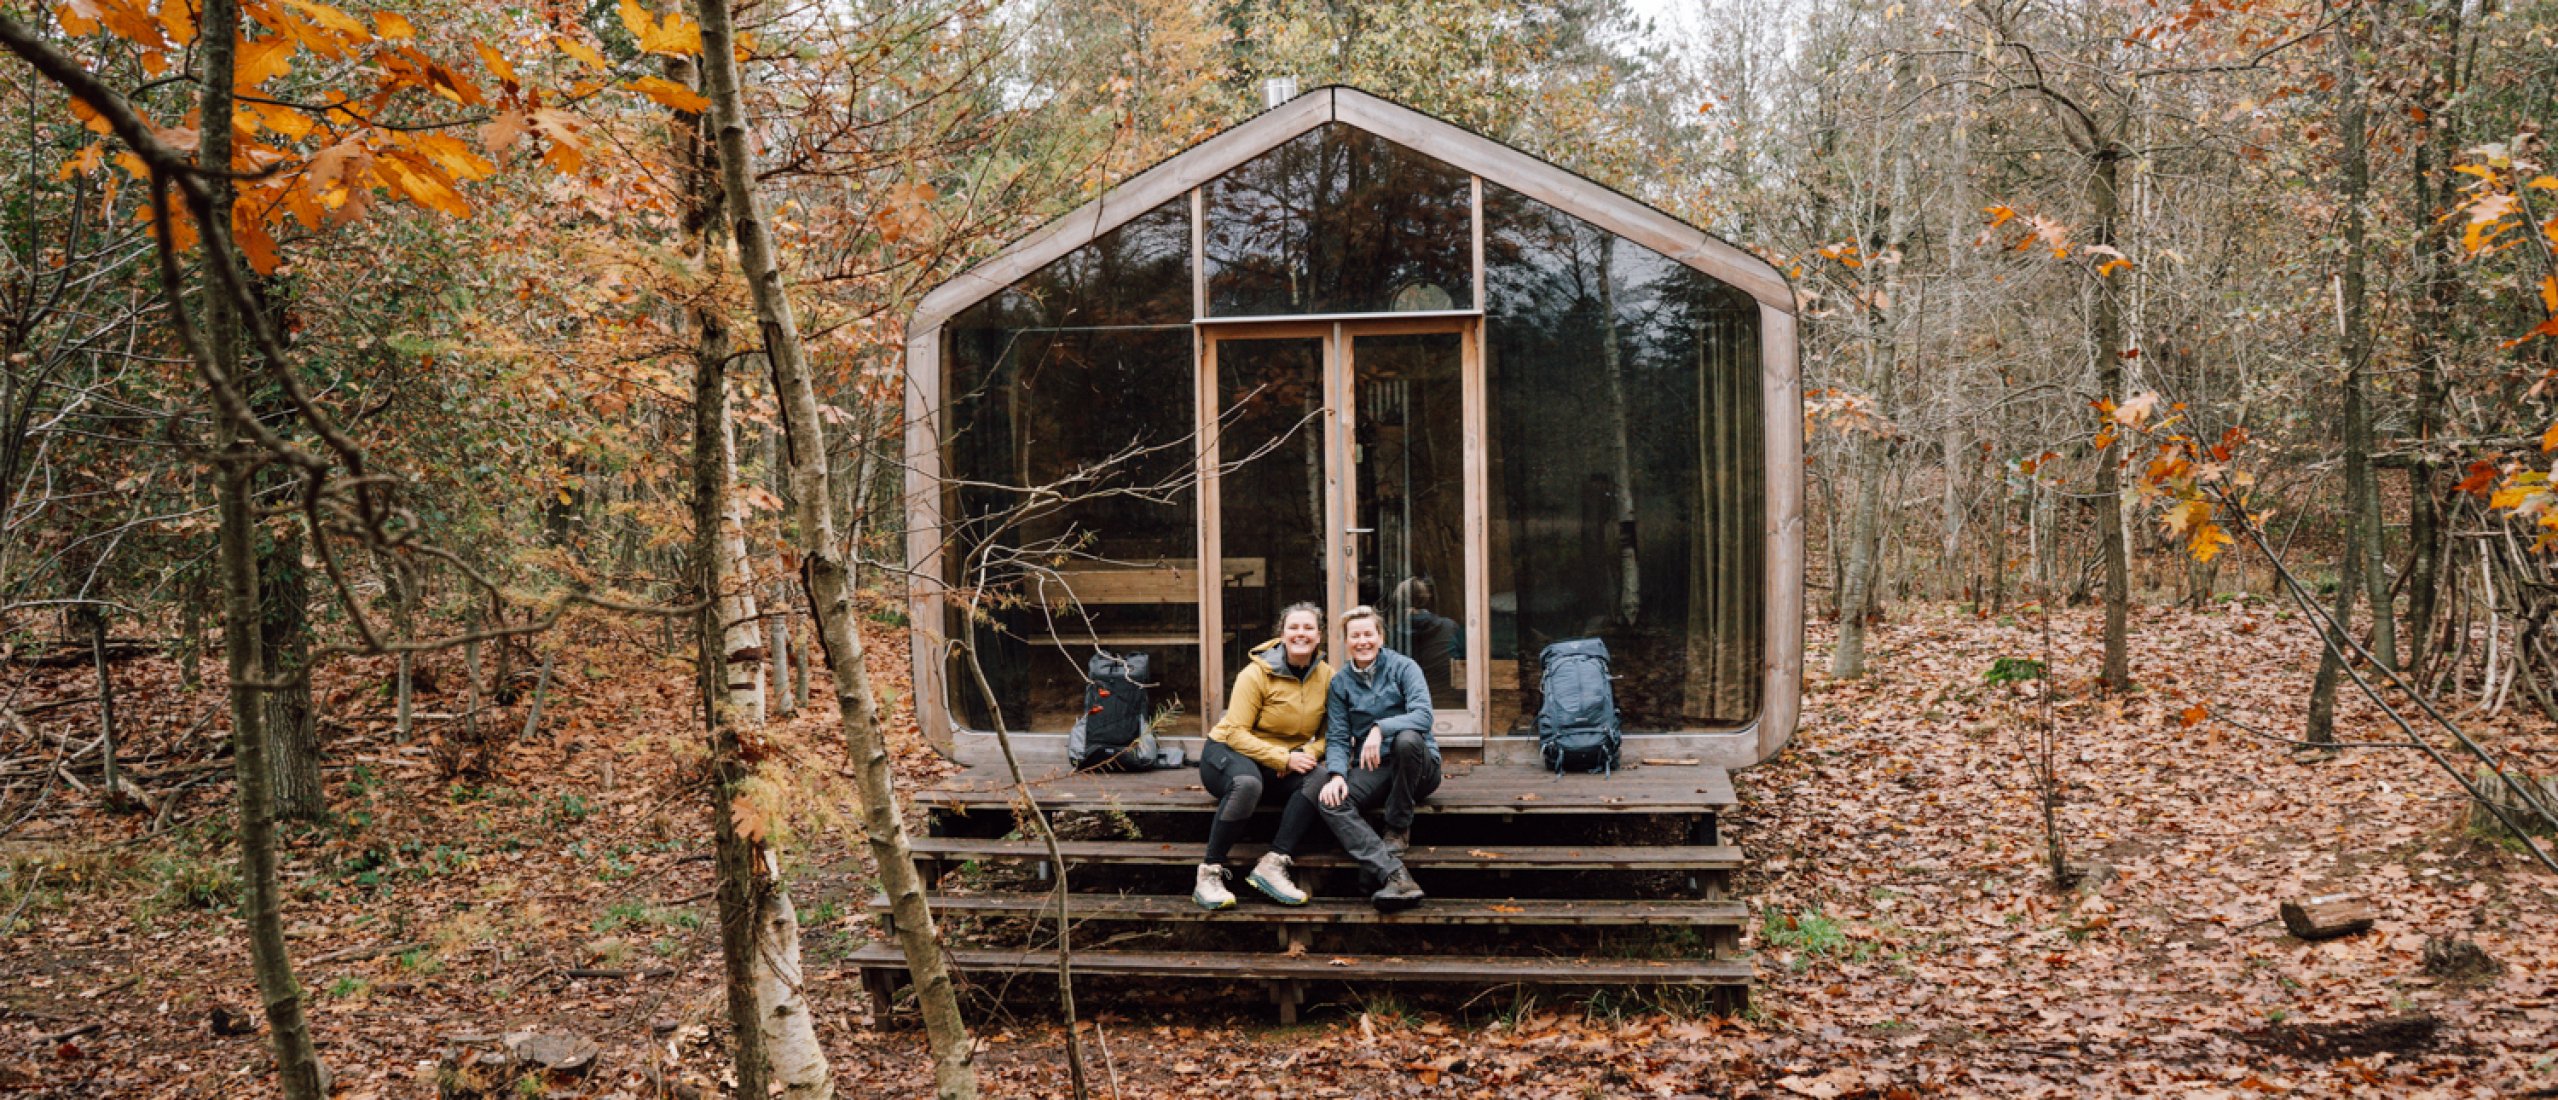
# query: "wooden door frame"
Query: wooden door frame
{"points": [[1337, 336]]}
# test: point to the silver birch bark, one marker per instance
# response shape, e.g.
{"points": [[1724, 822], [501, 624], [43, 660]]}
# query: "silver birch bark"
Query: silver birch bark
{"points": [[824, 570]]}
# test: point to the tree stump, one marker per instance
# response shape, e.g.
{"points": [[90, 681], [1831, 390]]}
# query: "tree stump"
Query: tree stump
{"points": [[2456, 959], [2483, 819], [2327, 917]]}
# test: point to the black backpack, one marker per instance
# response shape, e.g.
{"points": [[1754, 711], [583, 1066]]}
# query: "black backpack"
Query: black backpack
{"points": [[1577, 722], [1113, 735]]}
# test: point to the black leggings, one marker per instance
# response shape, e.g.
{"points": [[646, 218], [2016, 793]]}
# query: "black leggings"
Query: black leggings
{"points": [[1238, 784]]}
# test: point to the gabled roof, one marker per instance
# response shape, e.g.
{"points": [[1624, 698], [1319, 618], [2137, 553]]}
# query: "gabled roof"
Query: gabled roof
{"points": [[1459, 147]]}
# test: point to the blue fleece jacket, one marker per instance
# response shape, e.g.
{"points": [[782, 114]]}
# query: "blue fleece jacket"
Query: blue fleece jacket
{"points": [[1390, 694]]}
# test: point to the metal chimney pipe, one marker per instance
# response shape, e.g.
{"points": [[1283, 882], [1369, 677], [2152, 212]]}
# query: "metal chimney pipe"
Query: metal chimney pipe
{"points": [[1277, 90]]}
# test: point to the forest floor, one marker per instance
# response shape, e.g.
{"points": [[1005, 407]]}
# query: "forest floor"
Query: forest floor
{"points": [[1909, 943]]}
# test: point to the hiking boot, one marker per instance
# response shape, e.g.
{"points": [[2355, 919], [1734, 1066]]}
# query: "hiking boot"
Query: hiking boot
{"points": [[1270, 876], [1400, 892], [1397, 841], [1211, 893]]}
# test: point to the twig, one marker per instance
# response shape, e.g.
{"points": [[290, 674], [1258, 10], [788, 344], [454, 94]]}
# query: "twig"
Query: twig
{"points": [[1056, 859], [359, 954]]}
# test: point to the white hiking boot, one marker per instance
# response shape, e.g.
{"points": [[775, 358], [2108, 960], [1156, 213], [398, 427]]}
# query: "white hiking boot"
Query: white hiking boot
{"points": [[1211, 893], [1270, 876]]}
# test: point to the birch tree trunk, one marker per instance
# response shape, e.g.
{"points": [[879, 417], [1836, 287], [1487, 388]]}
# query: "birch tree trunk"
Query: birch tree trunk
{"points": [[824, 570], [741, 893], [745, 655], [769, 1016]]}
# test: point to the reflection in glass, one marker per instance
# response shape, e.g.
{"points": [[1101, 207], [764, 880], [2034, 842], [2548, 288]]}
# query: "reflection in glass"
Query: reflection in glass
{"points": [[1410, 418], [1270, 484], [1339, 221], [1071, 507], [1627, 470]]}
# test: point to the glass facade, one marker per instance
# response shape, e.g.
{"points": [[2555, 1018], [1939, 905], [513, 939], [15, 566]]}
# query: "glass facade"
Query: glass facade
{"points": [[1615, 472], [1629, 475], [1074, 522], [1339, 221]]}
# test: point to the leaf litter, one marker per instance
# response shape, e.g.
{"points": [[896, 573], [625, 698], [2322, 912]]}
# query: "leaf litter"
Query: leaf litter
{"points": [[1908, 942]]}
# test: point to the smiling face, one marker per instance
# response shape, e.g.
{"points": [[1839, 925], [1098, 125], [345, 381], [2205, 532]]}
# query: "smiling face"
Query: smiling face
{"points": [[1365, 639], [1299, 635]]}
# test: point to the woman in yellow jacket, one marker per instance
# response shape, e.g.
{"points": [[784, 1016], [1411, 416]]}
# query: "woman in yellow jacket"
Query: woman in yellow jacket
{"points": [[1269, 741]]}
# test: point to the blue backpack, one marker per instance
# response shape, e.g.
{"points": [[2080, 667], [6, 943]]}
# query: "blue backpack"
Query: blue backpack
{"points": [[1577, 723]]}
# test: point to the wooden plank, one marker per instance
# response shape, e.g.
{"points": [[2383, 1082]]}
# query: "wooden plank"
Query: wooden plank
{"points": [[1116, 639], [1505, 911], [1355, 968], [1453, 857], [1159, 582], [1484, 789]]}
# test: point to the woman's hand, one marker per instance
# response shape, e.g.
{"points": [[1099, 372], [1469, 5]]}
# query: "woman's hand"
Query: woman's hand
{"points": [[1334, 791], [1300, 762], [1374, 752]]}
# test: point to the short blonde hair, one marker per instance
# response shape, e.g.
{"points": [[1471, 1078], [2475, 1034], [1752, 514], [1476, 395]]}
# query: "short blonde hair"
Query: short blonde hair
{"points": [[1363, 611]]}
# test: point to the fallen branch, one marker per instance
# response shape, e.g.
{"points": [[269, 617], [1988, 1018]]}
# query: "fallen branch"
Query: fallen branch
{"points": [[2337, 639], [64, 1036]]}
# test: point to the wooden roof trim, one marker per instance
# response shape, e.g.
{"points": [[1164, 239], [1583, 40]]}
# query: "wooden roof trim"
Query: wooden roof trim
{"points": [[1455, 145]]}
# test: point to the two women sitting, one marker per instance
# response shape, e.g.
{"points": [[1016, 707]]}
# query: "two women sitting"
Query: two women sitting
{"points": [[1376, 756]]}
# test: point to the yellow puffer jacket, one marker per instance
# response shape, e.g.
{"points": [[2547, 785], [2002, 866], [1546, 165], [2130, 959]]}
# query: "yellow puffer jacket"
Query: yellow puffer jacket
{"points": [[1273, 711]]}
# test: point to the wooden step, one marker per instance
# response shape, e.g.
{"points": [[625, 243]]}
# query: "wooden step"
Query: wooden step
{"points": [[1477, 789], [1319, 966], [1251, 907], [1425, 857]]}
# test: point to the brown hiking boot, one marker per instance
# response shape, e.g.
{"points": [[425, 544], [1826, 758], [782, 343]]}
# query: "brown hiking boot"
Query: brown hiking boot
{"points": [[1397, 841], [1399, 892]]}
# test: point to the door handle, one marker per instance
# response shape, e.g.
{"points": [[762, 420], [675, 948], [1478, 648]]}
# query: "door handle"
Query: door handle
{"points": [[1358, 530]]}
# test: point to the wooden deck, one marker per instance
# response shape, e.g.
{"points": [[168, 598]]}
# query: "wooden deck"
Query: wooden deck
{"points": [[1523, 868], [1506, 857], [1353, 969], [1254, 910], [1464, 789]]}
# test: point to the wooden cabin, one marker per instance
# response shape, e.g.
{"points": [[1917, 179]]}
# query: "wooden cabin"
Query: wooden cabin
{"points": [[1349, 353]]}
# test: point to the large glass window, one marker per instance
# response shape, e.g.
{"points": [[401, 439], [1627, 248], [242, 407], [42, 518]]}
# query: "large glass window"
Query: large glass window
{"points": [[1270, 484], [1339, 221], [1627, 469], [1072, 506], [1410, 483]]}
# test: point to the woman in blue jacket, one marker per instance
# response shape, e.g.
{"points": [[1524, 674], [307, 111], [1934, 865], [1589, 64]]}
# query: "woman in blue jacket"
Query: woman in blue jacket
{"points": [[1379, 756]]}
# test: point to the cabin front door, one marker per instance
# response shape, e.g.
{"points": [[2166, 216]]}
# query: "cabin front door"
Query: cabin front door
{"points": [[1341, 463]]}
